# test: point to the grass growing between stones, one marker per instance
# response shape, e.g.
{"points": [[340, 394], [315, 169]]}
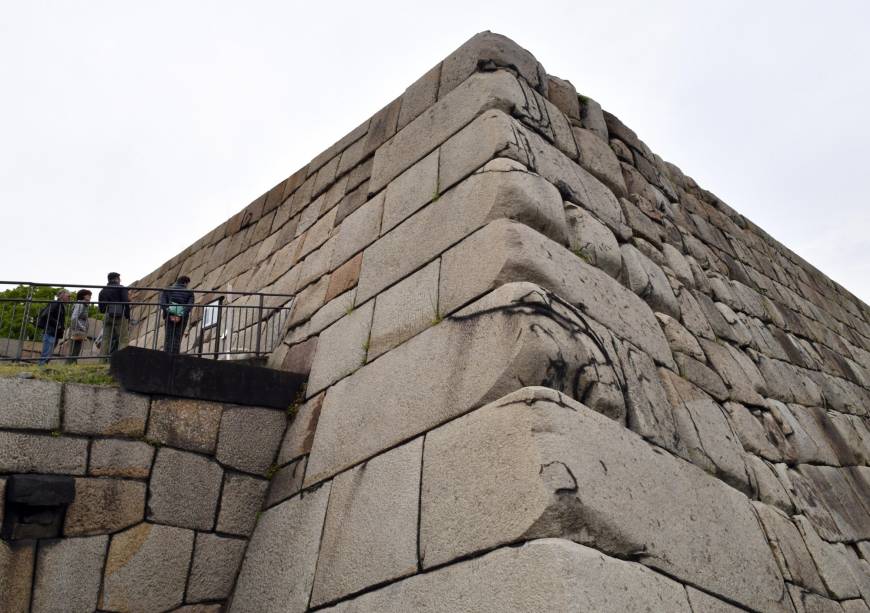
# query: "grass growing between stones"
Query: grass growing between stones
{"points": [[89, 374]]}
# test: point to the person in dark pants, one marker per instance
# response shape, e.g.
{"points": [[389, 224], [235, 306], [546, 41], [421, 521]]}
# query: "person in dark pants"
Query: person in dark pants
{"points": [[78, 324], [51, 321], [176, 303], [115, 305]]}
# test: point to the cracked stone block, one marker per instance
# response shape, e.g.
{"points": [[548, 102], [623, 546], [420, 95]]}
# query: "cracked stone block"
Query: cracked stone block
{"points": [[583, 477], [562, 94], [769, 488], [300, 433], [286, 482], [103, 411], [789, 548], [241, 500], [751, 432], [104, 505], [16, 575], [37, 453], [29, 404], [593, 241], [407, 308], [677, 262], [358, 230], [410, 191], [855, 606], [830, 559], [216, 560], [837, 491], [146, 568], [808, 602], [788, 383], [531, 577], [680, 339], [524, 197], [592, 118], [479, 93], [704, 603], [278, 568], [806, 437], [506, 251], [249, 438], [186, 424], [596, 156], [341, 348], [513, 335], [68, 574], [701, 375], [648, 281], [184, 489], [120, 458], [738, 372], [359, 548]]}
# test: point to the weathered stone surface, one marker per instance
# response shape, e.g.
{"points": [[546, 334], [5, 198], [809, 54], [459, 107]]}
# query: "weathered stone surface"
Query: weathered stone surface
{"points": [[562, 94], [308, 301], [679, 338], [286, 482], [16, 575], [789, 384], [26, 453], [68, 574], [358, 230], [704, 603], [701, 375], [591, 240], [788, 546], [543, 575], [184, 490], [341, 348], [807, 602], [648, 281], [512, 335], [524, 197], [359, 548], [504, 252], [769, 488], [104, 505], [411, 190], [407, 308], [249, 438], [29, 404], [344, 278], [592, 118], [838, 492], [855, 606], [216, 560], [830, 561], [278, 568], [419, 96], [300, 356], [119, 458], [741, 377], [751, 432], [596, 156], [146, 568], [187, 424], [300, 433], [241, 500], [103, 410], [583, 477]]}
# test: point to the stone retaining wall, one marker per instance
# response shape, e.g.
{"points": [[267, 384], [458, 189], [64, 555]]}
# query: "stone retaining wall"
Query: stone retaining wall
{"points": [[167, 493], [548, 371]]}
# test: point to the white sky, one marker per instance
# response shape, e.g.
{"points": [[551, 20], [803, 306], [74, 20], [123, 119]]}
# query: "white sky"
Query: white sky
{"points": [[128, 130]]}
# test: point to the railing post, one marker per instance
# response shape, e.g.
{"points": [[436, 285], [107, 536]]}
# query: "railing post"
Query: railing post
{"points": [[24, 324], [259, 325]]}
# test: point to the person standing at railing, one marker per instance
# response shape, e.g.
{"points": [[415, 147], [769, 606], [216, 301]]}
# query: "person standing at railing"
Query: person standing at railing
{"points": [[51, 321], [176, 303], [78, 324], [115, 304]]}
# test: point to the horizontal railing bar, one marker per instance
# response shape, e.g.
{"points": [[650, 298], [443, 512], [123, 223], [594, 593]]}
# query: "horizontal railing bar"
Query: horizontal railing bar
{"points": [[141, 288]]}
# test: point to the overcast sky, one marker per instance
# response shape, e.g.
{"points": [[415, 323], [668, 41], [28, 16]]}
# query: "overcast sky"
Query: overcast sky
{"points": [[128, 130]]}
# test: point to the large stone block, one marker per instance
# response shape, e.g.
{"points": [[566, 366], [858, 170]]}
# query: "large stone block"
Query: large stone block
{"points": [[103, 411], [184, 490], [407, 308], [411, 190], [341, 348], [504, 252], [515, 335], [104, 505], [249, 438], [543, 575], [286, 482], [146, 569], [358, 230], [278, 567], [187, 424], [596, 156], [119, 458], [580, 476], [216, 560], [241, 500], [524, 197], [68, 574], [592, 241], [37, 453], [788, 546], [370, 534], [16, 575], [29, 404], [646, 279]]}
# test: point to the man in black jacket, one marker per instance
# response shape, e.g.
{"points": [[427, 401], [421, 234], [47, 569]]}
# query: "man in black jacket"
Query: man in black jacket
{"points": [[176, 303], [51, 320], [115, 305]]}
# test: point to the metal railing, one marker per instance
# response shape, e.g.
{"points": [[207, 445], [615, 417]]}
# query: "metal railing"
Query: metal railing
{"points": [[218, 325]]}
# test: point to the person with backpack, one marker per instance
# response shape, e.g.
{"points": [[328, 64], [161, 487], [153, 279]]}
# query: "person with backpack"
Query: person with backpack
{"points": [[78, 324], [51, 322], [176, 302], [114, 303]]}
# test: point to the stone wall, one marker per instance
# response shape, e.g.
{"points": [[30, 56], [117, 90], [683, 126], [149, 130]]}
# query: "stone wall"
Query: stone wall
{"points": [[167, 493], [548, 371]]}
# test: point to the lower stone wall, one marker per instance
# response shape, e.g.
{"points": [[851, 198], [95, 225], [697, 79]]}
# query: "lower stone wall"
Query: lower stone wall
{"points": [[167, 493]]}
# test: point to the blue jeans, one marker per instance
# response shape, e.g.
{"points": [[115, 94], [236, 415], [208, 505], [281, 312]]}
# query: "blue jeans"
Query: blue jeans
{"points": [[48, 343]]}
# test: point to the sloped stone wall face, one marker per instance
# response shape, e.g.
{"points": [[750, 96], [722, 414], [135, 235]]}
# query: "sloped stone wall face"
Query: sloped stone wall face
{"points": [[167, 494], [548, 371]]}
